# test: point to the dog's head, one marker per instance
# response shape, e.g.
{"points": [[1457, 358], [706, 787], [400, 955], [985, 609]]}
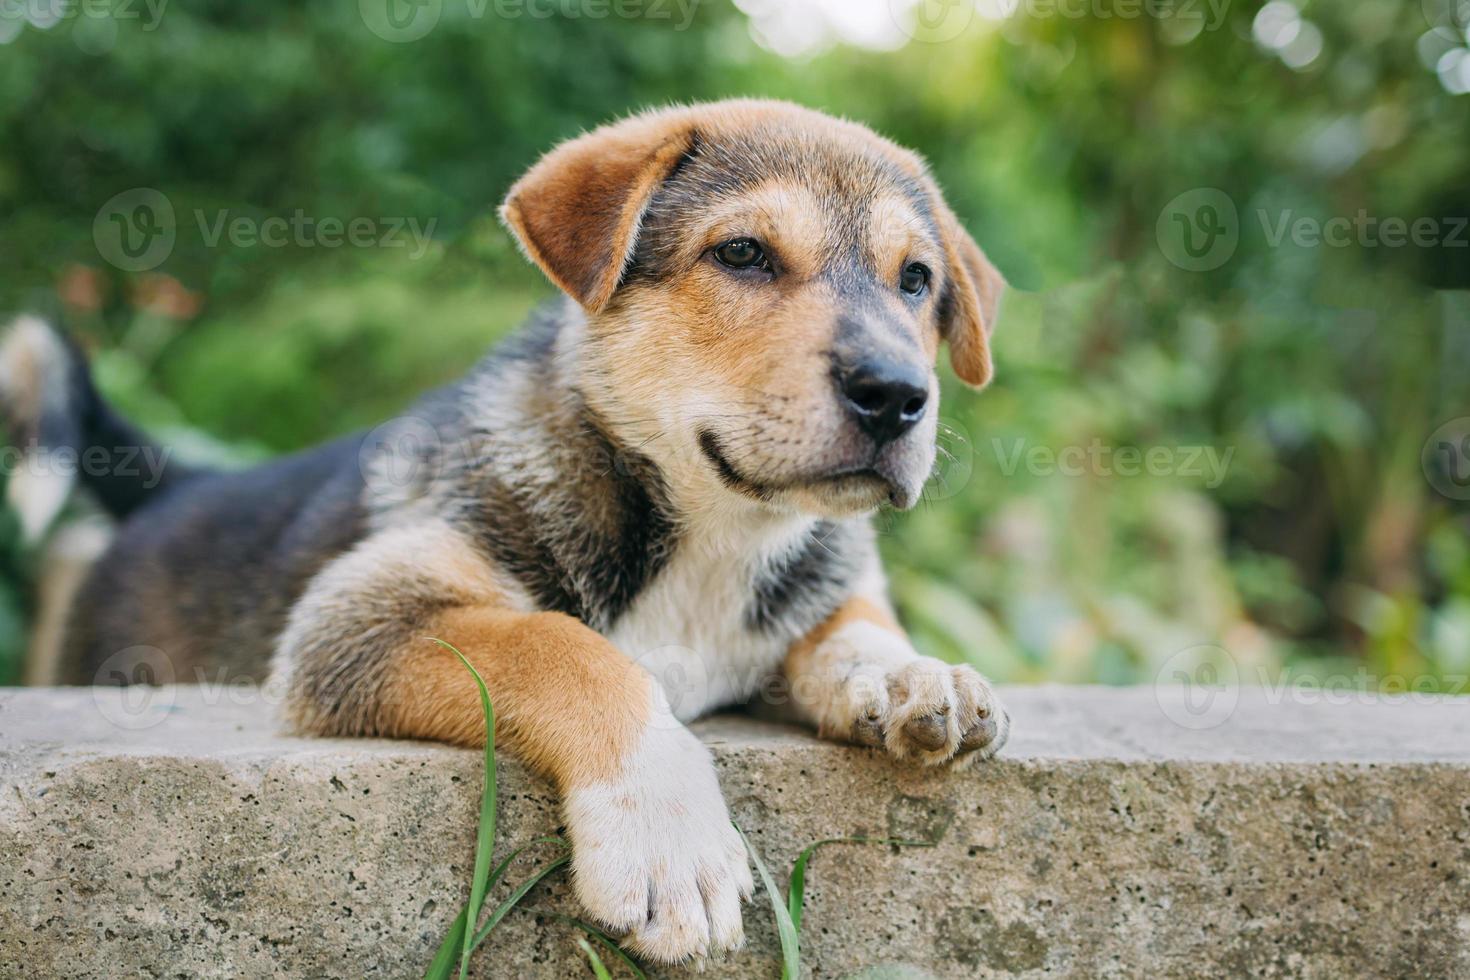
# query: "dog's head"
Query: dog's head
{"points": [[765, 290]]}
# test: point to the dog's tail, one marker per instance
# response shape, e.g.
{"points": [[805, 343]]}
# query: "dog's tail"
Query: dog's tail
{"points": [[61, 431]]}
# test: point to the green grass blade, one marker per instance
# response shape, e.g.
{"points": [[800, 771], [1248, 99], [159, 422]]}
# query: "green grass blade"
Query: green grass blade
{"points": [[485, 846], [449, 950], [785, 926], [500, 868], [600, 936], [515, 897], [598, 969], [796, 893]]}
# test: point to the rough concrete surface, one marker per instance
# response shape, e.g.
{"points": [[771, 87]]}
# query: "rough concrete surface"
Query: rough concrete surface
{"points": [[179, 836]]}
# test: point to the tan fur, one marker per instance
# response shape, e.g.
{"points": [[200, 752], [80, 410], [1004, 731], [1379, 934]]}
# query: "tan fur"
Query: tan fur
{"points": [[783, 214], [978, 286], [567, 702], [576, 212], [858, 609]]}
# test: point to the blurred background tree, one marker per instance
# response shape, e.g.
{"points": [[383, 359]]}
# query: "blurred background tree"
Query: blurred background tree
{"points": [[1139, 170]]}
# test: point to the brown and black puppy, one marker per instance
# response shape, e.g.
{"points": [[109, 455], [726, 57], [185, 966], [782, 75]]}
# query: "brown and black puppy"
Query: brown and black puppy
{"points": [[644, 507]]}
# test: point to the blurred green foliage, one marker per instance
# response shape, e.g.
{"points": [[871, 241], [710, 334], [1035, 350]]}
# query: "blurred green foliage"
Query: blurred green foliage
{"points": [[1312, 374]]}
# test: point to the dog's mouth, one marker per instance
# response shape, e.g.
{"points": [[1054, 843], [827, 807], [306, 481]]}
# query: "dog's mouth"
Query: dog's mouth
{"points": [[766, 491]]}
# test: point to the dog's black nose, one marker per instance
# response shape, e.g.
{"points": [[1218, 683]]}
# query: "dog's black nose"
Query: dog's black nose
{"points": [[886, 397]]}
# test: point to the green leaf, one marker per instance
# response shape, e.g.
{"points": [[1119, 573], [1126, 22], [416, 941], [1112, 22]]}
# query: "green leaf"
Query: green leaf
{"points": [[485, 845], [600, 936], [500, 868], [797, 892], [442, 968], [515, 897], [785, 926], [598, 969], [450, 950]]}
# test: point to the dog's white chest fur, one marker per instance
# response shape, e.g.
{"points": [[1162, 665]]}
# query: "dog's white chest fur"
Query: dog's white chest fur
{"points": [[689, 626]]}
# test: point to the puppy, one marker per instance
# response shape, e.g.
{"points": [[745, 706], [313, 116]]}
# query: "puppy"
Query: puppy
{"points": [[651, 503]]}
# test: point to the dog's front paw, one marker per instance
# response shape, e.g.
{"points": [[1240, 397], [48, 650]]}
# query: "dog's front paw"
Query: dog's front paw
{"points": [[654, 854], [885, 694]]}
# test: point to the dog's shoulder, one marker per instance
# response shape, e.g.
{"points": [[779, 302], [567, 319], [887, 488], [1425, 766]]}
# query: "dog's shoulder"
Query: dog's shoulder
{"points": [[514, 458]]}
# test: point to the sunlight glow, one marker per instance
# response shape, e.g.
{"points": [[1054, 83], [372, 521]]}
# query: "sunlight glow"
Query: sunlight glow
{"points": [[797, 28]]}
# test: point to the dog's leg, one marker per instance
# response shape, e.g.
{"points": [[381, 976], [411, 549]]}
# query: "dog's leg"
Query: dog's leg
{"points": [[654, 852], [857, 678]]}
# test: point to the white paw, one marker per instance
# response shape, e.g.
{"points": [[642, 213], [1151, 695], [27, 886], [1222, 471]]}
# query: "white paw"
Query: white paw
{"points": [[654, 854], [914, 707]]}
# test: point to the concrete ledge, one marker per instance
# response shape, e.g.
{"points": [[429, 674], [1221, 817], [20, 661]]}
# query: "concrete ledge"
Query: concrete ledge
{"points": [[1304, 840]]}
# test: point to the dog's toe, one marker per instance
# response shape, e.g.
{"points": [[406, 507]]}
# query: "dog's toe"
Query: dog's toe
{"points": [[677, 925], [984, 720], [611, 888]]}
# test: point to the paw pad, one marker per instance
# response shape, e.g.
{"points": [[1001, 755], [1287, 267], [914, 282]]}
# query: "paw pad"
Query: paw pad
{"points": [[927, 710]]}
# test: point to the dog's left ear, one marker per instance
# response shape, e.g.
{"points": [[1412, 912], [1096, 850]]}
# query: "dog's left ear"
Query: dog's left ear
{"points": [[970, 302], [577, 211]]}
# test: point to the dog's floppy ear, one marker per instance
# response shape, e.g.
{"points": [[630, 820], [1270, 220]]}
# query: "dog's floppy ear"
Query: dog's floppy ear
{"points": [[971, 300], [577, 211]]}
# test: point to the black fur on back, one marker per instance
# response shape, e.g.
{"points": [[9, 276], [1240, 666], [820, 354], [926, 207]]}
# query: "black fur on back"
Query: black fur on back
{"points": [[208, 572]]}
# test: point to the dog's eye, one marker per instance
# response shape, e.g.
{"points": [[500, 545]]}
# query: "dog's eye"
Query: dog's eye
{"points": [[915, 278], [742, 253]]}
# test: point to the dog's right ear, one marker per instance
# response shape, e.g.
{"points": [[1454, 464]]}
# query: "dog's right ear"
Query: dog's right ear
{"points": [[578, 210]]}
